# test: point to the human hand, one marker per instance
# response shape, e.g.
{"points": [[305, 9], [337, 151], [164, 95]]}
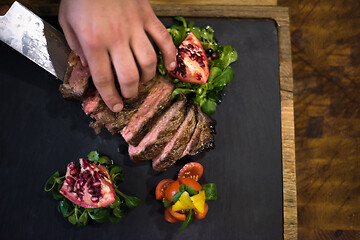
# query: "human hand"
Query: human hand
{"points": [[114, 32]]}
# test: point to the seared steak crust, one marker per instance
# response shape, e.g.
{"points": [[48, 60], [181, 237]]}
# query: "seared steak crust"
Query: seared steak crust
{"points": [[202, 138], [161, 133], [76, 80], [174, 149]]}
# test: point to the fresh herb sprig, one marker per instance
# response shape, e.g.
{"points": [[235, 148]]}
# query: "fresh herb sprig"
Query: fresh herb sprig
{"points": [[80, 216], [221, 74]]}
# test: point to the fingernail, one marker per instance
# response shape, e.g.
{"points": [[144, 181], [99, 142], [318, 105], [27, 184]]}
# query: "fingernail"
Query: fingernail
{"points": [[117, 107], [172, 65]]}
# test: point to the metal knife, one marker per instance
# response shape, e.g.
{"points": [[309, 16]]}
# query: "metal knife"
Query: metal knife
{"points": [[36, 39]]}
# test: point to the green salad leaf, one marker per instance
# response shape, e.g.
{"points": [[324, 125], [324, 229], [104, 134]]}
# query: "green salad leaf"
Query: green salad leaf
{"points": [[80, 216], [207, 95], [210, 191]]}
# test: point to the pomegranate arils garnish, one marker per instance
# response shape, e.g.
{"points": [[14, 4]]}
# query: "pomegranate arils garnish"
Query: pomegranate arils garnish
{"points": [[214, 55], [85, 187], [192, 63]]}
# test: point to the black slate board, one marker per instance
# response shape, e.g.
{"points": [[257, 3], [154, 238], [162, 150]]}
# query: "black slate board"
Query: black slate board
{"points": [[41, 133]]}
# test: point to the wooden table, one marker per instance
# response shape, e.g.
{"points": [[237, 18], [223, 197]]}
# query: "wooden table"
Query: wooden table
{"points": [[241, 9], [326, 59]]}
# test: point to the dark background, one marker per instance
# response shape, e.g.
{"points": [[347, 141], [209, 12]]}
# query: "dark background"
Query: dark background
{"points": [[41, 133]]}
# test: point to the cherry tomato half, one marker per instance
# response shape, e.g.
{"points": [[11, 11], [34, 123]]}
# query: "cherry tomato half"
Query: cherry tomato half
{"points": [[161, 187], [191, 183], [177, 215], [192, 170], [168, 217], [171, 189], [199, 215]]}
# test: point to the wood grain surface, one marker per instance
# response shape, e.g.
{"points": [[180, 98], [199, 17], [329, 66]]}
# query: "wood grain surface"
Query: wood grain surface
{"points": [[281, 18], [326, 58]]}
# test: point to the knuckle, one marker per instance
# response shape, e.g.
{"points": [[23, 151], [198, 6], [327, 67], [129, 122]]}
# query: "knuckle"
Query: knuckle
{"points": [[149, 59], [130, 79], [90, 37], [102, 81]]}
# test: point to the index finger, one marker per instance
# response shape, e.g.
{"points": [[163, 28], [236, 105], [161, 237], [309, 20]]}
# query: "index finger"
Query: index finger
{"points": [[103, 78]]}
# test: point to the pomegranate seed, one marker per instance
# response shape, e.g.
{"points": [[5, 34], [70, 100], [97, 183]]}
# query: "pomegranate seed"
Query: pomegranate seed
{"points": [[96, 184], [70, 180], [214, 55], [95, 199], [70, 188], [80, 194], [81, 182], [86, 175], [72, 165], [74, 171]]}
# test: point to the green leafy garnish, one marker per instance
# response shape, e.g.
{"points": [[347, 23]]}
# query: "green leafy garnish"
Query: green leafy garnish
{"points": [[191, 190], [207, 95], [104, 160], [182, 187], [189, 217], [176, 196], [131, 202], [93, 156], [79, 216], [167, 203], [210, 191]]}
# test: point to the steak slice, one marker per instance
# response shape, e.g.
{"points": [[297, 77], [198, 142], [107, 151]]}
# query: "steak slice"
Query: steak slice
{"points": [[161, 133], [92, 102], [131, 106], [158, 99], [104, 117], [174, 149], [76, 80], [202, 138]]}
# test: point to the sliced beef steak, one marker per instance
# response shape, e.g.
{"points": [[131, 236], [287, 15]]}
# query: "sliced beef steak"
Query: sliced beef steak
{"points": [[155, 127], [174, 149], [161, 133], [202, 138], [158, 99], [76, 80]]}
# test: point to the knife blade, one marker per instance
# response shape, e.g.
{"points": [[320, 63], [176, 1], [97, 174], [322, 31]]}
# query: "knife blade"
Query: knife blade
{"points": [[36, 39]]}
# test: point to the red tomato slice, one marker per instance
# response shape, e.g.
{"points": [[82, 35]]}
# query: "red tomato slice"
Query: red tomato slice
{"points": [[168, 217], [171, 189], [191, 183], [161, 187], [177, 215], [192, 170], [198, 215]]}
